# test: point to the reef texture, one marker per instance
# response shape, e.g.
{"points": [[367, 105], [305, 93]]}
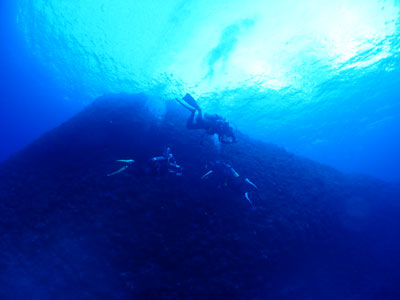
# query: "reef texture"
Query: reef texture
{"points": [[68, 231]]}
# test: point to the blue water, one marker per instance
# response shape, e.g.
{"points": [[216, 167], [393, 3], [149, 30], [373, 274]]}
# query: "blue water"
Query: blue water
{"points": [[317, 78], [320, 78]]}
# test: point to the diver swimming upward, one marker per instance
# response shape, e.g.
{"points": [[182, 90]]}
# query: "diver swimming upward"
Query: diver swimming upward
{"points": [[212, 124]]}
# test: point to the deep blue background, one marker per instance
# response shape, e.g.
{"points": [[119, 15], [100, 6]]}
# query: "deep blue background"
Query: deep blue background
{"points": [[30, 102]]}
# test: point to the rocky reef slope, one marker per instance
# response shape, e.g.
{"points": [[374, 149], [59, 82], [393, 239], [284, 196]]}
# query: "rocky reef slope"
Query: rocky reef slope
{"points": [[70, 232]]}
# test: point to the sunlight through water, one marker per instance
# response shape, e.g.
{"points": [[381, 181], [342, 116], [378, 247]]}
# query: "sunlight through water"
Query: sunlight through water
{"points": [[208, 47], [296, 73]]}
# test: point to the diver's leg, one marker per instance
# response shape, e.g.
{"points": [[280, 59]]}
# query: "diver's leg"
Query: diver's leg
{"points": [[199, 117], [190, 122], [195, 122]]}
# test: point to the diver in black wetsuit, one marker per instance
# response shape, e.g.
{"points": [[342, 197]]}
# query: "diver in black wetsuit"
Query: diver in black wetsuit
{"points": [[212, 124], [165, 164], [226, 176]]}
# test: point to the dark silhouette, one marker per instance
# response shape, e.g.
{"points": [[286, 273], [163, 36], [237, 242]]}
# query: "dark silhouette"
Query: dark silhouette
{"points": [[212, 124], [165, 164], [226, 176]]}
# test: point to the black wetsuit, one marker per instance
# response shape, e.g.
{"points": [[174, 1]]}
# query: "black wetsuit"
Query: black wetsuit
{"points": [[162, 165], [212, 124]]}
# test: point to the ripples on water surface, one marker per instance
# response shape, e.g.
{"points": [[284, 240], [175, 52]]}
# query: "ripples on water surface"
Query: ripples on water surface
{"points": [[317, 77]]}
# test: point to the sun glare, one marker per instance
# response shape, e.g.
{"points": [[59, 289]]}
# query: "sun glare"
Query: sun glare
{"points": [[210, 47]]}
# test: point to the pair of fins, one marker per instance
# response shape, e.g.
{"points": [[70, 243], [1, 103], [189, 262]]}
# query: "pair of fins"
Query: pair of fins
{"points": [[189, 102], [127, 161]]}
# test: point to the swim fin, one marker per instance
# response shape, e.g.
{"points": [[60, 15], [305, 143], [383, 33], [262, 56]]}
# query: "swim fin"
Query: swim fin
{"points": [[205, 175], [129, 161], [189, 103], [246, 195], [251, 183], [184, 104], [118, 171], [190, 100]]}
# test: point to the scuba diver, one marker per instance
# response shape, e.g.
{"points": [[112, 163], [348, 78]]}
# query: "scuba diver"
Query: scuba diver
{"points": [[127, 163], [226, 176], [212, 124], [165, 164]]}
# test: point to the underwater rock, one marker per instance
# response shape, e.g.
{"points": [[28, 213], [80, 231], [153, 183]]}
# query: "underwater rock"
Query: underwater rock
{"points": [[69, 231]]}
